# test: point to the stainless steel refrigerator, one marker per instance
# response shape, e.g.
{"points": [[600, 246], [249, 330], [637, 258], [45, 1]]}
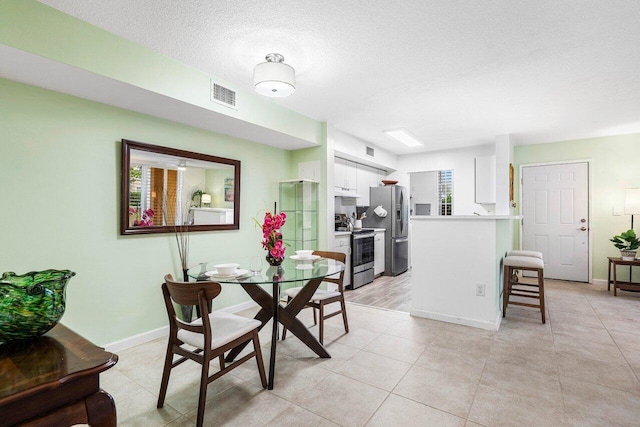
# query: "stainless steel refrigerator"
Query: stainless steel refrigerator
{"points": [[394, 200]]}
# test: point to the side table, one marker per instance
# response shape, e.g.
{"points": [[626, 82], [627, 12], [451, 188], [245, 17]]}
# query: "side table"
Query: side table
{"points": [[625, 286], [54, 380]]}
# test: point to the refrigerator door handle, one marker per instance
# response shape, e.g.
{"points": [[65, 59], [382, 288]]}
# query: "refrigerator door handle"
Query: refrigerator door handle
{"points": [[404, 239]]}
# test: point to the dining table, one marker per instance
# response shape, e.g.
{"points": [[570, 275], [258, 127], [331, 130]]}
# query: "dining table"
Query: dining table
{"points": [[264, 284]]}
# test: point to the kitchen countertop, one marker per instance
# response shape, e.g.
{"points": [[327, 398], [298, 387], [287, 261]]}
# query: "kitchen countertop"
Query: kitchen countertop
{"points": [[480, 217], [347, 233]]}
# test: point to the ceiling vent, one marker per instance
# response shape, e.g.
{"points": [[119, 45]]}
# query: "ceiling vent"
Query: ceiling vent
{"points": [[223, 95], [370, 151]]}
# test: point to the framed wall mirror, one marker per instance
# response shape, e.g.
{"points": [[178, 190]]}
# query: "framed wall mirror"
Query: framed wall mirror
{"points": [[165, 187]]}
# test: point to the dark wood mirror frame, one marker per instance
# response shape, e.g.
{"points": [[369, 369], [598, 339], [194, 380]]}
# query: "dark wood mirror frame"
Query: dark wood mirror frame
{"points": [[126, 229]]}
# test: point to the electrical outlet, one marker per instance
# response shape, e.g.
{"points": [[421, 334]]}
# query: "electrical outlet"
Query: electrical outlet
{"points": [[480, 290]]}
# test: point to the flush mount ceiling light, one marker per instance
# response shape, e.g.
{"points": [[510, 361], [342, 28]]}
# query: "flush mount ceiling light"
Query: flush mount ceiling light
{"points": [[274, 78], [405, 137]]}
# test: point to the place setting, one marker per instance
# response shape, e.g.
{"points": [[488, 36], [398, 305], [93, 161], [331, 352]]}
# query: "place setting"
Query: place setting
{"points": [[227, 271], [304, 259]]}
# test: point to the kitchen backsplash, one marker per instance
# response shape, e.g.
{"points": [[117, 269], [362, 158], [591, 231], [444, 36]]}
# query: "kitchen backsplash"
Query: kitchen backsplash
{"points": [[345, 206]]}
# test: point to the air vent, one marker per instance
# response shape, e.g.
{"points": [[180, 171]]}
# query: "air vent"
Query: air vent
{"points": [[223, 95], [370, 151]]}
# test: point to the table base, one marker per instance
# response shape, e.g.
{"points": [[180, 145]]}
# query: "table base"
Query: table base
{"points": [[271, 309]]}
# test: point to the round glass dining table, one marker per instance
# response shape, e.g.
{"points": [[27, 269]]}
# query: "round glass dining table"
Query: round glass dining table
{"points": [[307, 274]]}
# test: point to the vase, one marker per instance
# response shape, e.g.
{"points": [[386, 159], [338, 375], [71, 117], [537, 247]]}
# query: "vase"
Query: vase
{"points": [[628, 255], [273, 261], [31, 304]]}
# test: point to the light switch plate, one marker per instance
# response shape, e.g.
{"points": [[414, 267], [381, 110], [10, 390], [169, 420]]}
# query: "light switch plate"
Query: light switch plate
{"points": [[617, 211]]}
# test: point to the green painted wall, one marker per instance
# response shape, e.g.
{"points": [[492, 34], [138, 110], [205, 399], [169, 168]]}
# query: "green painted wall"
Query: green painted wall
{"points": [[614, 167], [309, 155], [37, 28], [60, 192]]}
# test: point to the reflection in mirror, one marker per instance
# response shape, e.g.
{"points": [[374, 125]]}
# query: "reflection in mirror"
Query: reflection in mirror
{"points": [[165, 187], [431, 192]]}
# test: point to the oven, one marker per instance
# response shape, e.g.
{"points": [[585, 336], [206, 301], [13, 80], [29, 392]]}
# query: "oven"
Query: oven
{"points": [[361, 257]]}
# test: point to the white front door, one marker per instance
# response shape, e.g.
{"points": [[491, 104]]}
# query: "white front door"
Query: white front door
{"points": [[555, 209]]}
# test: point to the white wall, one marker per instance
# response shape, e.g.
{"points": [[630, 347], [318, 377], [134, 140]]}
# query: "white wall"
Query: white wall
{"points": [[460, 160], [423, 189], [352, 148]]}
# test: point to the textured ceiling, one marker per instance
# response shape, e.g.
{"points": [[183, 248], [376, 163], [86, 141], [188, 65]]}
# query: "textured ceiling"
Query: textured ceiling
{"points": [[452, 72]]}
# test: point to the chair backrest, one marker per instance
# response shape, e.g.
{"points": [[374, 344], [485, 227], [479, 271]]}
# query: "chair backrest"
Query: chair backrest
{"points": [[338, 256], [189, 293]]}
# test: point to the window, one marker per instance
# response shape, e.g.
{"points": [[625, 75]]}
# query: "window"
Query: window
{"points": [[445, 192]]}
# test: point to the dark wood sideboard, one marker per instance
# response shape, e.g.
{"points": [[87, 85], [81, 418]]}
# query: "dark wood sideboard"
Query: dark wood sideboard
{"points": [[54, 380]]}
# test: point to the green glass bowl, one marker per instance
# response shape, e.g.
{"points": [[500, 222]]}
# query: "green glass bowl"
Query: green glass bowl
{"points": [[32, 303]]}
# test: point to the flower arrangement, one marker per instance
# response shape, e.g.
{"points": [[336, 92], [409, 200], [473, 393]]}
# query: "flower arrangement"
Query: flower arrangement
{"points": [[272, 237], [141, 218]]}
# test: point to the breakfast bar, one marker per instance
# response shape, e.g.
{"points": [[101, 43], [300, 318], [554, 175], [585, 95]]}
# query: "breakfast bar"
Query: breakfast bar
{"points": [[457, 267]]}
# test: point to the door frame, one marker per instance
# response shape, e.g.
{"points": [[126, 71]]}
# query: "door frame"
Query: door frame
{"points": [[589, 202]]}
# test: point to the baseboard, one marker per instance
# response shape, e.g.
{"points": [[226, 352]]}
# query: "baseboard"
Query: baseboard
{"points": [[481, 324], [135, 340], [144, 337]]}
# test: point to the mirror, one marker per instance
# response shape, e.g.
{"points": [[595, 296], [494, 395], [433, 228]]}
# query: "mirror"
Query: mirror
{"points": [[165, 187], [431, 192]]}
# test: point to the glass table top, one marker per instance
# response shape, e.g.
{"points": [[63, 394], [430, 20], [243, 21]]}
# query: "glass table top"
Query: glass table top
{"points": [[290, 270]]}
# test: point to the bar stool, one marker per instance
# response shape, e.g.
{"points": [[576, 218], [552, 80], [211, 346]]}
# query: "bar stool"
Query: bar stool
{"points": [[518, 252], [526, 290]]}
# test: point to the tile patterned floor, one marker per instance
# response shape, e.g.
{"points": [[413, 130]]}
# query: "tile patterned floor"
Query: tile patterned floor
{"points": [[579, 369]]}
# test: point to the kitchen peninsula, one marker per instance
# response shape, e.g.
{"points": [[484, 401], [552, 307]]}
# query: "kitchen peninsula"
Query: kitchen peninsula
{"points": [[457, 267]]}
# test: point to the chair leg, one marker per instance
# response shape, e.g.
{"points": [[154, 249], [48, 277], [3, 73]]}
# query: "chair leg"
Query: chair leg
{"points": [[259, 361], [315, 321], [284, 328], [541, 292], [222, 364], [165, 374], [344, 314], [505, 289], [321, 320], [203, 389]]}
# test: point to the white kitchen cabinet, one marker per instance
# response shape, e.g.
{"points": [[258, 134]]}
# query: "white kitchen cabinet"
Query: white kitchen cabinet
{"points": [[345, 174], [486, 179], [365, 178], [342, 243], [378, 253]]}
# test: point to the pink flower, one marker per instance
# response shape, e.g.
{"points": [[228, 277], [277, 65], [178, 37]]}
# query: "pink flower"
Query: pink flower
{"points": [[271, 235]]}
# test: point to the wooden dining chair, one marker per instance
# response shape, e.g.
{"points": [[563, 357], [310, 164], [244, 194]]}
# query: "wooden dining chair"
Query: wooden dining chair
{"points": [[321, 297], [211, 335]]}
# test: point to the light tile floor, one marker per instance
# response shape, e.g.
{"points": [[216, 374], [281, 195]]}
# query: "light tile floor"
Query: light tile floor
{"points": [[579, 369]]}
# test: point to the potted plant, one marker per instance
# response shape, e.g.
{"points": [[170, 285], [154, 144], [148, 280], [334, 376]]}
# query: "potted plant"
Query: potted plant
{"points": [[628, 243]]}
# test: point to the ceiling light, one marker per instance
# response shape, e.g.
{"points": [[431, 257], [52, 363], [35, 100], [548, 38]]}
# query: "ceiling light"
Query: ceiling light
{"points": [[182, 165], [405, 137], [274, 78]]}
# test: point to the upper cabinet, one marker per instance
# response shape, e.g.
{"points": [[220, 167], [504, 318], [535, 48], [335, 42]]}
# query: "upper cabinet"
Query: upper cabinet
{"points": [[358, 178], [367, 177], [345, 174], [486, 179]]}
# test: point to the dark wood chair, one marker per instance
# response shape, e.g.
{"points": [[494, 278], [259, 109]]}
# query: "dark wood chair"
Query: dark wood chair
{"points": [[211, 336], [321, 298]]}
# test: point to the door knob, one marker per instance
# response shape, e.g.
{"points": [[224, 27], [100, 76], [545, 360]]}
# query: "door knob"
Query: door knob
{"points": [[582, 228]]}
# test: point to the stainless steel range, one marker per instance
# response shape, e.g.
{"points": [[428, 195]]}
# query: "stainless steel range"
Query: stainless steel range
{"points": [[361, 257]]}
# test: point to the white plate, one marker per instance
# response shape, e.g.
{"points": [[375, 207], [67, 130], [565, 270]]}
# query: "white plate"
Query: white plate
{"points": [[239, 272], [297, 258]]}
